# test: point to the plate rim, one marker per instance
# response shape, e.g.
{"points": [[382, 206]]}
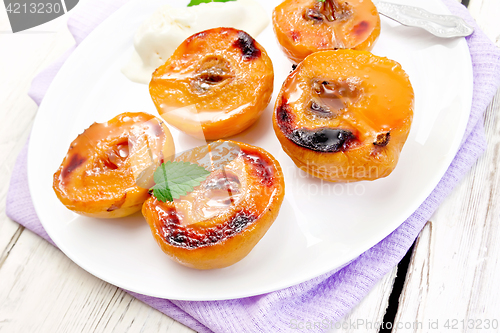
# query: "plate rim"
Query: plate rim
{"points": [[102, 26]]}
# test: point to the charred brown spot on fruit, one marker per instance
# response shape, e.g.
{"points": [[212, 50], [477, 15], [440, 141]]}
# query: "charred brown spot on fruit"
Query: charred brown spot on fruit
{"points": [[361, 28], [118, 204], [247, 46], [174, 233], [284, 116], [261, 168], [382, 139], [240, 221], [295, 35], [74, 162], [327, 140]]}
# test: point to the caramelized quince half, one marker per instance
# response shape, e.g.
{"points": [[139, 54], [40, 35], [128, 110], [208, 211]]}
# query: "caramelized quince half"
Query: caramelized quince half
{"points": [[345, 115], [109, 168], [222, 219], [216, 84], [306, 26]]}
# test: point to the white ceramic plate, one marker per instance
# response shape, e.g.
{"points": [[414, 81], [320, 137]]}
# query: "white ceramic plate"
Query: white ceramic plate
{"points": [[321, 225]]}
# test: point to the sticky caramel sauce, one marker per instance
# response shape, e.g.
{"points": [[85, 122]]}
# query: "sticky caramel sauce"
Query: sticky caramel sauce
{"points": [[341, 110], [230, 199], [344, 99], [110, 160], [214, 85], [307, 26]]}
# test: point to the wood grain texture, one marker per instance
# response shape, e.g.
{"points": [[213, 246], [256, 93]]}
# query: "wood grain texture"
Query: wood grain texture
{"points": [[487, 15], [27, 54], [367, 316], [42, 290], [455, 267]]}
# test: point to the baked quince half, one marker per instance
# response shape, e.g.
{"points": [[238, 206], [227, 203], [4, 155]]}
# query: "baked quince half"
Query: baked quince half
{"points": [[215, 85], [222, 219], [345, 115], [306, 26], [109, 168]]}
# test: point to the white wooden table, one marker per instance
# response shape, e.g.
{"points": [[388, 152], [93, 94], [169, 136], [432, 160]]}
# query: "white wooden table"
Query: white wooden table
{"points": [[453, 273]]}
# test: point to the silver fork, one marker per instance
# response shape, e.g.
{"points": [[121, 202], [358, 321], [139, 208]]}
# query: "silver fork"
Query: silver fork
{"points": [[445, 26]]}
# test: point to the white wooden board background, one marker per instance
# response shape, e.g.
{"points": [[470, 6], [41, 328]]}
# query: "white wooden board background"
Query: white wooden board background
{"points": [[453, 272]]}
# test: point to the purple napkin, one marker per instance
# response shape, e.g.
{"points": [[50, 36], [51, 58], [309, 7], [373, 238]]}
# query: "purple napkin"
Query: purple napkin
{"points": [[330, 296]]}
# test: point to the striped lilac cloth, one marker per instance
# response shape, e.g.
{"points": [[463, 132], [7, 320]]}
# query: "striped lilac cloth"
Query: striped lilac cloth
{"points": [[326, 298]]}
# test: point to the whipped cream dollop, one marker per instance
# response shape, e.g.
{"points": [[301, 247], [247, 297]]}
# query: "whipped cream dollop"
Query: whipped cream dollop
{"points": [[160, 35]]}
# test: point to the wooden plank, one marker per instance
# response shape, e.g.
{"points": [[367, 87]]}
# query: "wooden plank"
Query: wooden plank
{"points": [[455, 268], [487, 14], [368, 315], [43, 291], [28, 54]]}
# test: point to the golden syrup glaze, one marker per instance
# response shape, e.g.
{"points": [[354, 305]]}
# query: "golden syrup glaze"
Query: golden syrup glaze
{"points": [[158, 36], [216, 84], [306, 26], [229, 211], [381, 102], [367, 100], [106, 164]]}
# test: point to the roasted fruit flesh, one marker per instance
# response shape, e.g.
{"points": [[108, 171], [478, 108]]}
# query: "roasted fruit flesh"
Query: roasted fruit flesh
{"points": [[216, 84], [306, 26], [345, 115], [219, 222], [109, 167]]}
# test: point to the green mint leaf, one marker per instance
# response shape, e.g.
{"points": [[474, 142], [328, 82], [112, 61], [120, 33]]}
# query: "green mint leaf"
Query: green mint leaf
{"points": [[197, 2], [321, 0], [174, 179]]}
